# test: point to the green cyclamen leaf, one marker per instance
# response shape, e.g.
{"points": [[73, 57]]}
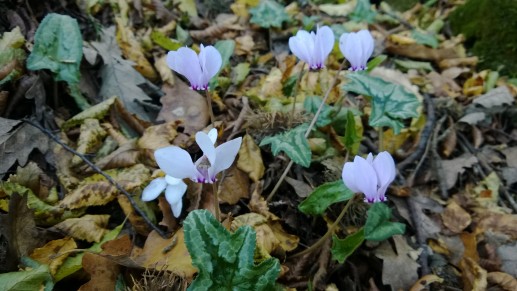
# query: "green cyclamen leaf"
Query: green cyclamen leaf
{"points": [[425, 38], [363, 12], [343, 248], [351, 139], [324, 196], [58, 46], [311, 105], [391, 103], [293, 143], [378, 226], [268, 13], [225, 260]]}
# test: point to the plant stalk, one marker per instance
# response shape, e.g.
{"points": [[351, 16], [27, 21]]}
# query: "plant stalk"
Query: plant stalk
{"points": [[295, 92], [209, 102], [329, 232], [309, 129], [216, 203]]}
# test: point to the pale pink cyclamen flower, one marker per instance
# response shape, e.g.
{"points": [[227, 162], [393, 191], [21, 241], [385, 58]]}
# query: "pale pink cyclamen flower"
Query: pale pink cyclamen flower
{"points": [[176, 162], [174, 190], [370, 176], [198, 69], [313, 48], [357, 47]]}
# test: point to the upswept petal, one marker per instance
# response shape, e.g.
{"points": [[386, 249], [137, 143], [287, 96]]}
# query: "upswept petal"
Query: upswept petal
{"points": [[225, 155], [185, 61], [211, 61], [349, 176], [384, 166], [176, 162], [207, 146], [369, 158], [300, 45], [154, 189], [174, 193], [324, 42], [212, 134], [367, 44], [367, 178], [347, 46]]}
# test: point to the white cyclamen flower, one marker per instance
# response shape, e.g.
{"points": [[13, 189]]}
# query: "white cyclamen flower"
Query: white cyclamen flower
{"points": [[174, 190], [357, 47], [370, 176], [198, 69], [313, 48], [176, 162]]}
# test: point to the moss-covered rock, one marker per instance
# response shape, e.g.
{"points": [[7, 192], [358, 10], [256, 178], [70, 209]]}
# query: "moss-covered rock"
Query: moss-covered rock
{"points": [[491, 30]]}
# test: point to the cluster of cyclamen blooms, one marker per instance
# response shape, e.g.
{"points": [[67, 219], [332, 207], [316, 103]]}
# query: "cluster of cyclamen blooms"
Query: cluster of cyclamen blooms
{"points": [[314, 48], [371, 176], [177, 165]]}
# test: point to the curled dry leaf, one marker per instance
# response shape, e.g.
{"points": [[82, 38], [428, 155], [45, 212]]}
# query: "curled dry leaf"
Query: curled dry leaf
{"points": [[474, 277], [88, 227], [54, 253], [496, 222], [90, 139], [503, 280], [96, 190], [158, 136], [425, 281], [250, 159], [455, 218]]}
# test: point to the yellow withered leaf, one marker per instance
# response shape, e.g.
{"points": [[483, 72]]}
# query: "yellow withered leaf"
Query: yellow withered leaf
{"points": [[54, 253], [96, 190], [88, 227], [250, 159], [90, 139]]}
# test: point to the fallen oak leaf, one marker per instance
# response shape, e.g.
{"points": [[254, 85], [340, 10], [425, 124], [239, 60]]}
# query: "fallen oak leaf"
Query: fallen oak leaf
{"points": [[88, 227]]}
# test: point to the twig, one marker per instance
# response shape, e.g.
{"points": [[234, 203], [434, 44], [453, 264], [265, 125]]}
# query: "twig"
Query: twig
{"points": [[438, 166], [98, 170], [424, 136], [417, 222], [309, 129], [329, 232]]}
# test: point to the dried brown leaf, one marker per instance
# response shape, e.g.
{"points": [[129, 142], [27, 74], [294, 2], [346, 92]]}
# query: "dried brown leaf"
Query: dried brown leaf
{"points": [[425, 281], [455, 218], [90, 139], [503, 280], [250, 159], [180, 103], [103, 273], [474, 277], [235, 185]]}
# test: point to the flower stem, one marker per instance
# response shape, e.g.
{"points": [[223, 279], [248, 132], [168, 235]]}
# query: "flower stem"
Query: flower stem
{"points": [[309, 129], [381, 139], [209, 102], [216, 203], [295, 92], [329, 232]]}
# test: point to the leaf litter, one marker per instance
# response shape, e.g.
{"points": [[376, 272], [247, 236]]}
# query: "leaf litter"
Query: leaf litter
{"points": [[437, 100]]}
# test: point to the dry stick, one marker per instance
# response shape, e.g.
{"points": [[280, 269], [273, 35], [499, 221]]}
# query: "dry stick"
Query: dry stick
{"points": [[210, 110], [311, 125], [295, 91], [438, 166], [330, 231], [98, 170], [417, 222]]}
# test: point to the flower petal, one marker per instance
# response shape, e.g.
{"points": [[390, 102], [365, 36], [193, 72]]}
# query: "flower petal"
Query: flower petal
{"points": [[186, 62], [154, 189], [225, 155], [211, 61], [176, 162], [349, 177], [206, 145], [324, 43], [384, 166], [174, 193], [212, 134], [176, 208], [302, 46], [366, 179], [367, 45]]}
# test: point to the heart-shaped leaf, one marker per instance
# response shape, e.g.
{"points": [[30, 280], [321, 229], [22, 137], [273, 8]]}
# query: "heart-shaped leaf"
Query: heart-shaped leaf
{"points": [[343, 248], [293, 143], [268, 13], [324, 196], [378, 226]]}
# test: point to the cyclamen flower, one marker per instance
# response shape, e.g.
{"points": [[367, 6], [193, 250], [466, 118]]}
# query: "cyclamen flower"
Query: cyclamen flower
{"points": [[370, 176], [313, 48], [198, 69], [357, 47], [174, 190], [176, 162]]}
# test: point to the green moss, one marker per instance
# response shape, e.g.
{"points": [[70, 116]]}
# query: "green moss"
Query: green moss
{"points": [[491, 30]]}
